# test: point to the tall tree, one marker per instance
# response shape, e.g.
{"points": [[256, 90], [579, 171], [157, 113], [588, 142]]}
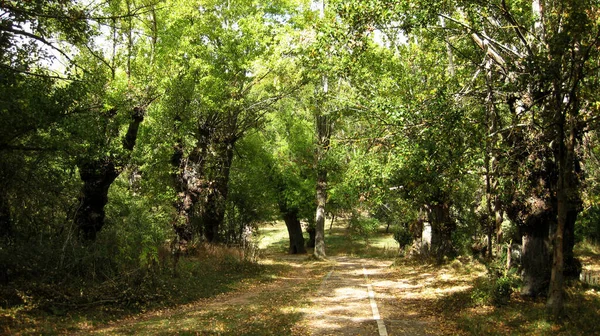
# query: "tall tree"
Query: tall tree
{"points": [[223, 59]]}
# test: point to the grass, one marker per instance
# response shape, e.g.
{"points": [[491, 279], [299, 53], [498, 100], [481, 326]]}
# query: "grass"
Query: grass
{"points": [[521, 316], [209, 272], [218, 293], [339, 241]]}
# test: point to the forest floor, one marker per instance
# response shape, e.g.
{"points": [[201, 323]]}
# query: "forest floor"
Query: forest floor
{"points": [[362, 289]]}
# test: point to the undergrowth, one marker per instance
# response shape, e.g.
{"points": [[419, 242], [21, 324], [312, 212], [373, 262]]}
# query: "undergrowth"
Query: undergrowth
{"points": [[36, 307]]}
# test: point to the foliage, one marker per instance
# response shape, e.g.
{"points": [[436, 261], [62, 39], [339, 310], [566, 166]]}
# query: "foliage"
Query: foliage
{"points": [[403, 236], [363, 226]]}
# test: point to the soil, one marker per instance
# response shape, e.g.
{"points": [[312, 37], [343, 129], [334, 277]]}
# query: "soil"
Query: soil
{"points": [[338, 301]]}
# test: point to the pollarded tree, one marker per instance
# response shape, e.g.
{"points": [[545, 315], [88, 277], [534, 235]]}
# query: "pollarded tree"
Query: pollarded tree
{"points": [[126, 87], [222, 52], [545, 55], [291, 169]]}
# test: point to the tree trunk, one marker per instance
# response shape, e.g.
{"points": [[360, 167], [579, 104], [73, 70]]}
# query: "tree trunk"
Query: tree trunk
{"points": [[187, 194], [323, 140], [320, 215], [555, 301], [442, 227], [491, 165], [189, 183], [572, 268], [294, 231], [5, 221], [564, 156], [214, 207], [98, 176], [536, 254]]}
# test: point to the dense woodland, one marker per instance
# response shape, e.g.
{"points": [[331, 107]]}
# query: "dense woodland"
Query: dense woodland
{"points": [[133, 130]]}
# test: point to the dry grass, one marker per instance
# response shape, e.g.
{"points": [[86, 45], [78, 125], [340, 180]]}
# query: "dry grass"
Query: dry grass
{"points": [[222, 294]]}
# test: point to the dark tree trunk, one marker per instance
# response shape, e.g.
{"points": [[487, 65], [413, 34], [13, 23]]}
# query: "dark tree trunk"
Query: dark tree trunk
{"points": [[536, 254], [442, 227], [310, 243], [572, 268], [568, 201], [214, 207], [98, 176], [5, 221], [294, 231]]}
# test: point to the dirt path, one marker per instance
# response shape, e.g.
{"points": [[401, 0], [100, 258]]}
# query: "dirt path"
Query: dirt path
{"points": [[363, 297], [342, 305], [343, 296]]}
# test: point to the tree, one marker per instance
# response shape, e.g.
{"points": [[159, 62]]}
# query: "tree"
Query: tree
{"points": [[291, 172], [550, 95], [132, 91], [223, 62]]}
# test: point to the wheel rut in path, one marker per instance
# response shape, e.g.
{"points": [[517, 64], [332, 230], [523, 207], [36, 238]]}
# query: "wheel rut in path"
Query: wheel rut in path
{"points": [[353, 299]]}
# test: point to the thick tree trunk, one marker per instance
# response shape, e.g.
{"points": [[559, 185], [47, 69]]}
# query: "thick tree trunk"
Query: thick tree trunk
{"points": [[97, 177], [294, 231], [189, 183], [214, 207], [442, 227], [536, 254], [187, 193]]}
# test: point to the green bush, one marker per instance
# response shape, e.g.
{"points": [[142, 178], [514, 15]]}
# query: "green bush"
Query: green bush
{"points": [[403, 236], [363, 226], [495, 290], [588, 225]]}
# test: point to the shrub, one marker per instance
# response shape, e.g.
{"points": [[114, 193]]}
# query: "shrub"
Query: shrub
{"points": [[403, 236]]}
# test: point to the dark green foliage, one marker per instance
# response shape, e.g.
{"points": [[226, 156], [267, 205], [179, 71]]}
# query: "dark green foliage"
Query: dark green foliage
{"points": [[403, 236], [588, 225]]}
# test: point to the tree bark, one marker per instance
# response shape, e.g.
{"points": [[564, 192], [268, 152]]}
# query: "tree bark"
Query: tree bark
{"points": [[97, 176], [189, 183], [294, 231], [320, 215], [536, 255], [564, 156], [213, 211], [311, 235], [442, 227], [323, 126]]}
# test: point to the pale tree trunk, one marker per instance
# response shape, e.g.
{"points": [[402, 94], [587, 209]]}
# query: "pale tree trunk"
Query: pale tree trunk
{"points": [[448, 50], [189, 183], [323, 126]]}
